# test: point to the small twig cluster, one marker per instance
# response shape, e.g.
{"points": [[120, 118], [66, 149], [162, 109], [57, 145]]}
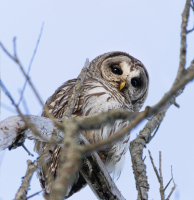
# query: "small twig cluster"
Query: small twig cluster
{"points": [[160, 178]]}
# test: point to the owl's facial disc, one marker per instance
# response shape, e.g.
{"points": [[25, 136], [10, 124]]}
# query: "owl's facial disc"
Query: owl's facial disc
{"points": [[129, 77]]}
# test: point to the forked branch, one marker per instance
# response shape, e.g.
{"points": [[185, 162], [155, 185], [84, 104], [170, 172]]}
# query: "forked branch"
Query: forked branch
{"points": [[160, 178]]}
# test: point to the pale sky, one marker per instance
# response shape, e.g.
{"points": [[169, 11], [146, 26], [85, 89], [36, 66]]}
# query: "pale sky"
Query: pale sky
{"points": [[75, 30]]}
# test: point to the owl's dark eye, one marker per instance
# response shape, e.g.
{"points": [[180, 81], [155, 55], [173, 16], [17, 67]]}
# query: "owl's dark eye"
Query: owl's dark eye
{"points": [[136, 82], [116, 70]]}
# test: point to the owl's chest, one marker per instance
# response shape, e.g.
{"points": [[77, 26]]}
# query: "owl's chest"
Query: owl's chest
{"points": [[99, 97]]}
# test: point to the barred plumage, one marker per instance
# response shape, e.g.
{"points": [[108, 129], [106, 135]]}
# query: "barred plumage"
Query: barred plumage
{"points": [[100, 93]]}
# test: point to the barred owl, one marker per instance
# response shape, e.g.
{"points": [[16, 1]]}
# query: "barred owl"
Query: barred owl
{"points": [[115, 80]]}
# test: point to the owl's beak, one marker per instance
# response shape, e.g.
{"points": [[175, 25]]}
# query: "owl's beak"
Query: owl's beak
{"points": [[122, 85]]}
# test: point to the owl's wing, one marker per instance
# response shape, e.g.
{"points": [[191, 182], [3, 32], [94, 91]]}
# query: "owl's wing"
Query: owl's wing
{"points": [[57, 104]]}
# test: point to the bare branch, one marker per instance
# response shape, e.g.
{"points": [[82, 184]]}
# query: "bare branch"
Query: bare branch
{"points": [[10, 109], [191, 30], [173, 188], [15, 125], [136, 151], [155, 169], [70, 158], [162, 105], [34, 194], [168, 184], [32, 167], [28, 124], [97, 176], [160, 178], [15, 58], [185, 17], [76, 91], [37, 43], [136, 146], [30, 154]]}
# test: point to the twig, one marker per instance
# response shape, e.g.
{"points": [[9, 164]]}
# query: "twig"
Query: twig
{"points": [[28, 124], [173, 188], [25, 106], [15, 58], [30, 154], [37, 43], [14, 47], [191, 30], [155, 169], [176, 104], [168, 184], [160, 178], [34, 194], [8, 108], [32, 167]]}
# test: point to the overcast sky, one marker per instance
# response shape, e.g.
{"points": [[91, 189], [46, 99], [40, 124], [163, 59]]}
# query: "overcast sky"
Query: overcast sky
{"points": [[79, 29]]}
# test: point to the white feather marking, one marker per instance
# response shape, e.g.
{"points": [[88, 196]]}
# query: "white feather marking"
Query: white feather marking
{"points": [[135, 73], [58, 98], [50, 111], [62, 92], [125, 68], [53, 103], [66, 87]]}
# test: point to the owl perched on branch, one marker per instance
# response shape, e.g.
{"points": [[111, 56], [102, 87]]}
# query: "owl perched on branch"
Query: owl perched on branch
{"points": [[115, 80]]}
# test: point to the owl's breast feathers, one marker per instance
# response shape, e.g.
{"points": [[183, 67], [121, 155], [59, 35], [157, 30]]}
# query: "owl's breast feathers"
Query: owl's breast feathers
{"points": [[97, 96]]}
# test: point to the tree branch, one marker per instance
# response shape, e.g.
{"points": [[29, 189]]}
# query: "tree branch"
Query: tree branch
{"points": [[37, 43], [160, 178], [97, 176], [32, 167], [162, 105], [69, 162], [136, 151], [136, 146], [185, 17]]}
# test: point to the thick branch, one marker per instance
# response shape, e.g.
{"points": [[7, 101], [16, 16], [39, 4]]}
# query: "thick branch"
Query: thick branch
{"points": [[97, 176], [136, 151], [136, 146], [13, 131]]}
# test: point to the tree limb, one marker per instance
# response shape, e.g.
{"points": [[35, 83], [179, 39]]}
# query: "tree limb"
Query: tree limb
{"points": [[32, 167], [136, 151], [137, 145], [97, 176], [69, 161]]}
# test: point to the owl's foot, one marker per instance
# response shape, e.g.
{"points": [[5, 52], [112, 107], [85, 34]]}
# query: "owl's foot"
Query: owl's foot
{"points": [[102, 157]]}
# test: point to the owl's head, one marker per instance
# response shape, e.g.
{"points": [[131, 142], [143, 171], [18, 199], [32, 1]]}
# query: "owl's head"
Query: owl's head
{"points": [[125, 73]]}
